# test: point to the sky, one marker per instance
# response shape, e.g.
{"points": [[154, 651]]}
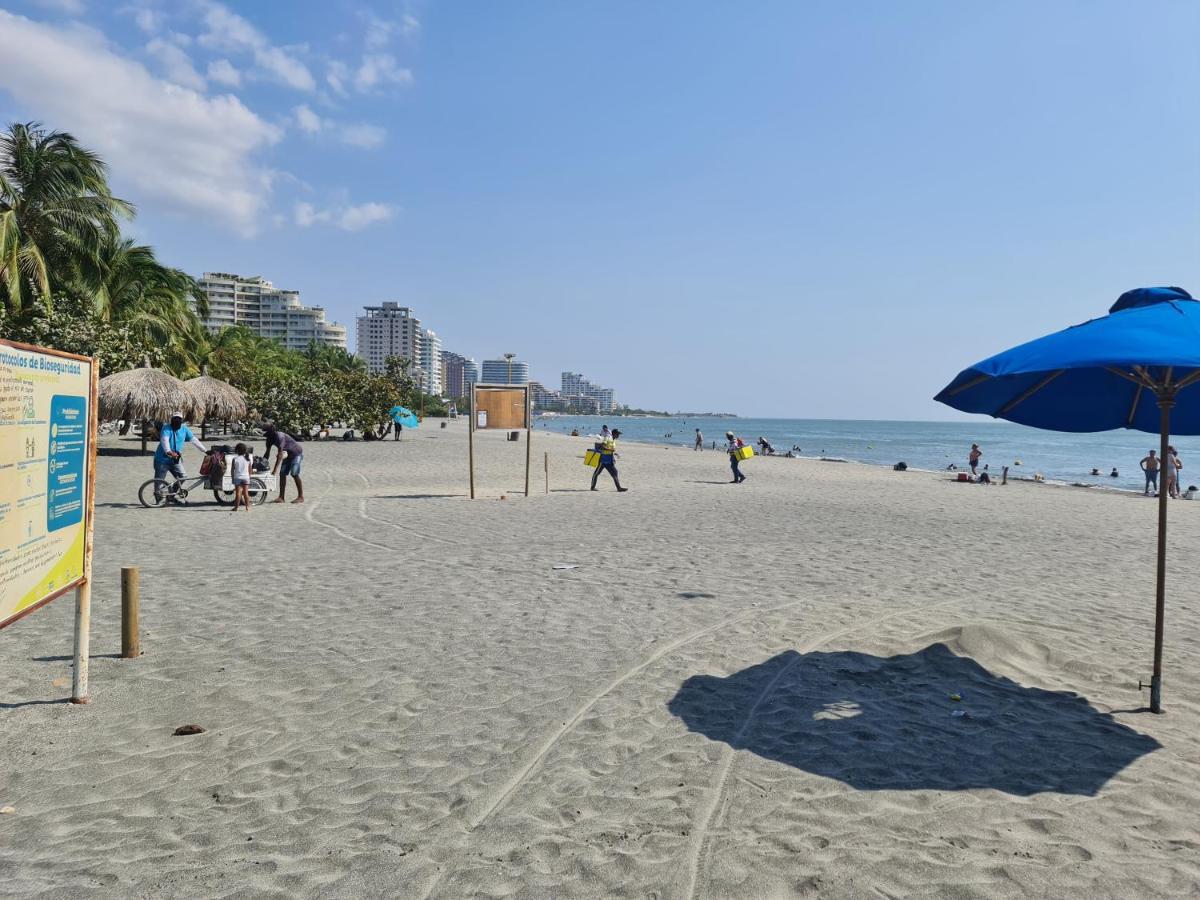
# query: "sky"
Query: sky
{"points": [[794, 209]]}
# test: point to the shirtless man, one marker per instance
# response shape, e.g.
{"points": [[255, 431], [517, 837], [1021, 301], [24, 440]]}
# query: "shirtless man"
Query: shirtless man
{"points": [[1149, 465]]}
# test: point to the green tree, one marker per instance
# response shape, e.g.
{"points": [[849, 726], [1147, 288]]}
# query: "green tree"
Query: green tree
{"points": [[56, 214]]}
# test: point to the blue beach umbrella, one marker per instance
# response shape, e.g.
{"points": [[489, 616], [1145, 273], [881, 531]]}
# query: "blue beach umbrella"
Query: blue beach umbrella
{"points": [[1134, 368], [404, 416]]}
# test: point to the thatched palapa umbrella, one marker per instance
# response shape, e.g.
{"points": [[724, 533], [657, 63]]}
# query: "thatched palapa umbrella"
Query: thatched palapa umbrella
{"points": [[143, 395], [215, 399]]}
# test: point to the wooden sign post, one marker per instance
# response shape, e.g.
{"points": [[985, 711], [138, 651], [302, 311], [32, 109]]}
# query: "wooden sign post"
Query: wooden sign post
{"points": [[48, 428], [500, 407]]}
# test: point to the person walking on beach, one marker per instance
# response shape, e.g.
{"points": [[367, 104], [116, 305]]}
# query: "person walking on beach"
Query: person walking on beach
{"points": [[973, 459], [1149, 465], [239, 474], [285, 443], [699, 441], [604, 433], [168, 455], [732, 445], [608, 457]]}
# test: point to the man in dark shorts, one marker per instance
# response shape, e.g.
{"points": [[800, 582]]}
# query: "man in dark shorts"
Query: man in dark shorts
{"points": [[284, 467]]}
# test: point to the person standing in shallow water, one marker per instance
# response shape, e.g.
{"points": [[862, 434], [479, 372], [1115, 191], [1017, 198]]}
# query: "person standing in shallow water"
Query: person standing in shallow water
{"points": [[608, 457], [1149, 465], [699, 441], [731, 447]]}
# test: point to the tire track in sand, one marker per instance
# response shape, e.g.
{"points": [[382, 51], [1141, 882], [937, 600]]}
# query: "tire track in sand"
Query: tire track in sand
{"points": [[697, 858], [310, 514]]}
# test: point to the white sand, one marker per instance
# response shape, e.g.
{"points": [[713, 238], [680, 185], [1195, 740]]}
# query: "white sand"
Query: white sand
{"points": [[743, 691]]}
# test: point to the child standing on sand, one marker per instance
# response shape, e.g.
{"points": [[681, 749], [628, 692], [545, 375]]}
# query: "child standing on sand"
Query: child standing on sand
{"points": [[239, 471]]}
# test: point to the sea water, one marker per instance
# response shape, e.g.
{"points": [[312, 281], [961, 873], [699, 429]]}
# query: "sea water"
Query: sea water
{"points": [[1057, 456]]}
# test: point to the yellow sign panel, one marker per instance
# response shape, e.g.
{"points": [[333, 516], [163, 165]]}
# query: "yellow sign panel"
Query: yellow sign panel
{"points": [[46, 409]]}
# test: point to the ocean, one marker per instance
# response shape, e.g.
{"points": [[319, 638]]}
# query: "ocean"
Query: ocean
{"points": [[1060, 457]]}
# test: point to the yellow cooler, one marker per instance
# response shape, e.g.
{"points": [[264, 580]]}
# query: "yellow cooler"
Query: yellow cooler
{"points": [[592, 458], [744, 452]]}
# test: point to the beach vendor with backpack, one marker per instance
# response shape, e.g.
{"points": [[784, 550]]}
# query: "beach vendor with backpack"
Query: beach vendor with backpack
{"points": [[168, 455], [285, 466], [732, 446], [608, 456]]}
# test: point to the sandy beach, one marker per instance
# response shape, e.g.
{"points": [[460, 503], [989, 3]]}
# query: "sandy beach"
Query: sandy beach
{"points": [[735, 691]]}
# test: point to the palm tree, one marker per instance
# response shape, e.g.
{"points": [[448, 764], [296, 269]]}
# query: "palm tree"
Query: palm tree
{"points": [[154, 300], [333, 359], [56, 213]]}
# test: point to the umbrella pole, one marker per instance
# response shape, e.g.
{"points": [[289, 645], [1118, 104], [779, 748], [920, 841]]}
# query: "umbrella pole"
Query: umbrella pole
{"points": [[1165, 402]]}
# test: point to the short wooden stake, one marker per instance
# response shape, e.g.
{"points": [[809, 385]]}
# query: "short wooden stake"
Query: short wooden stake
{"points": [[547, 462], [131, 602]]}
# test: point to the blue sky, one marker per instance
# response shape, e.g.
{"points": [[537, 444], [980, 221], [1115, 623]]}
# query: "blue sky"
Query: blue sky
{"points": [[779, 208]]}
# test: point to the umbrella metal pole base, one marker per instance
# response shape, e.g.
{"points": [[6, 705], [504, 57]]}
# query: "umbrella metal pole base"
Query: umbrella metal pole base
{"points": [[1156, 694]]}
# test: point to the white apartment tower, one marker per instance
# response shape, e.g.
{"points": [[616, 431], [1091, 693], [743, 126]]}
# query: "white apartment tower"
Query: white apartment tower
{"points": [[429, 357], [388, 330], [267, 311]]}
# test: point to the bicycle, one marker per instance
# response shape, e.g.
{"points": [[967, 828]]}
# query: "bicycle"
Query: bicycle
{"points": [[161, 492]]}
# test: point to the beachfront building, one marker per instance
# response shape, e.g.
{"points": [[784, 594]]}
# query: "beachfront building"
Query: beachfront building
{"points": [[429, 358], [458, 374], [542, 397], [576, 388], [496, 371], [258, 305], [388, 330]]}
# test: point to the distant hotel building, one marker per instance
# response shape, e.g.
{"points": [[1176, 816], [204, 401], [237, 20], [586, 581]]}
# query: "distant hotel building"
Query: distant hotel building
{"points": [[575, 386], [388, 330], [267, 311], [458, 374], [429, 358], [495, 371]]}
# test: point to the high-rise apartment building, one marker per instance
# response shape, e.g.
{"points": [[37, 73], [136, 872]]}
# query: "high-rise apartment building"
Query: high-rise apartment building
{"points": [[503, 371], [429, 357], [266, 310], [458, 374], [575, 385], [388, 330]]}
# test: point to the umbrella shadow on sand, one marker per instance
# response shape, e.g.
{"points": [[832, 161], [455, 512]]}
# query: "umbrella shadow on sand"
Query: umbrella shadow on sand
{"points": [[889, 723]]}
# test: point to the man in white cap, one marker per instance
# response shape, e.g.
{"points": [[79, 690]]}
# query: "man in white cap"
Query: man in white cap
{"points": [[168, 455]]}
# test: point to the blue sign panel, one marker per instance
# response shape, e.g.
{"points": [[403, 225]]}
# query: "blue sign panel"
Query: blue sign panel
{"points": [[67, 446]]}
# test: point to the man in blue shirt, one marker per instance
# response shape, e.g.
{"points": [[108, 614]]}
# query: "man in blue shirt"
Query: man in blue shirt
{"points": [[168, 455]]}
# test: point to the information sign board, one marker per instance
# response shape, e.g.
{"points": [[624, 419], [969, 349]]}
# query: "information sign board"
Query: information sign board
{"points": [[47, 403]]}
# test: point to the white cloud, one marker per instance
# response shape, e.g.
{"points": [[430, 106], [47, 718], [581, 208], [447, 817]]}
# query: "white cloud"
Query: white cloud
{"points": [[410, 25], [228, 30], [223, 72], [70, 7], [336, 75], [147, 19], [176, 64], [379, 32], [347, 218], [356, 218], [379, 69], [168, 143], [366, 136], [307, 120], [305, 215]]}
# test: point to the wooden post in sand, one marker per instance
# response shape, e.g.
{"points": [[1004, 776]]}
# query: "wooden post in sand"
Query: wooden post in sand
{"points": [[83, 593], [130, 608], [547, 463], [471, 442]]}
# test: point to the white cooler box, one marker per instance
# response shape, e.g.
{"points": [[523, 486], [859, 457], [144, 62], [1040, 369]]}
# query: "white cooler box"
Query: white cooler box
{"points": [[271, 481]]}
